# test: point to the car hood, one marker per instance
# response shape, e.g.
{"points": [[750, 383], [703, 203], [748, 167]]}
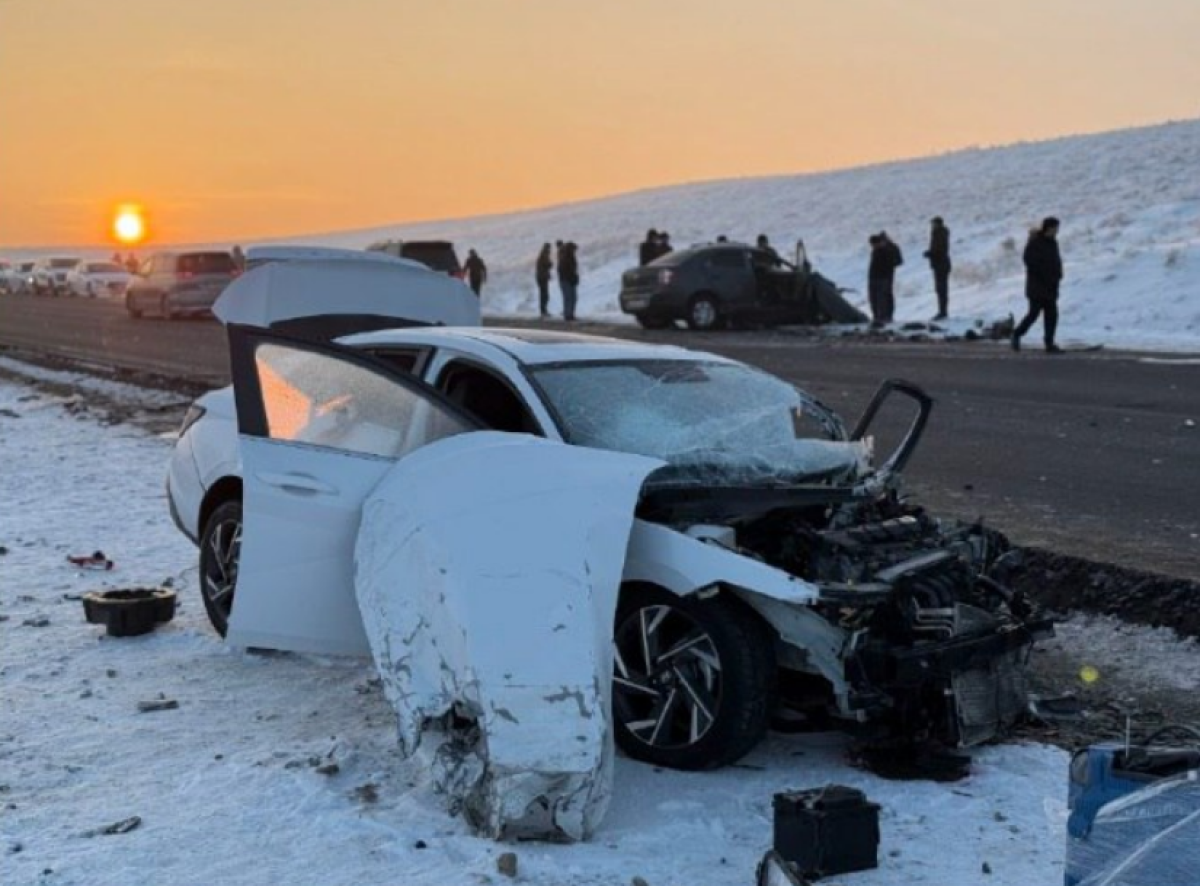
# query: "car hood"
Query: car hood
{"points": [[509, 552]]}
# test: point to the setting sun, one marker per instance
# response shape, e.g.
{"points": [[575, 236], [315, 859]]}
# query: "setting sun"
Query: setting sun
{"points": [[128, 225]]}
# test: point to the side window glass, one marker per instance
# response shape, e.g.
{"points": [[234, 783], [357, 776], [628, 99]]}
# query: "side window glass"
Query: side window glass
{"points": [[486, 397], [402, 360], [323, 401], [727, 260]]}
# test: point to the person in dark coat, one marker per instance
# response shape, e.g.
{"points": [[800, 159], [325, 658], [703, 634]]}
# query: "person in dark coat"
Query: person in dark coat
{"points": [[1043, 274], [541, 273], [938, 254], [881, 278], [475, 270], [568, 279], [765, 245], [664, 245], [648, 248]]}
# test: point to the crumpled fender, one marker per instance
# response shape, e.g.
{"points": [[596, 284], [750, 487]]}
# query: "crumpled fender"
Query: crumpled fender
{"points": [[487, 570], [683, 565]]}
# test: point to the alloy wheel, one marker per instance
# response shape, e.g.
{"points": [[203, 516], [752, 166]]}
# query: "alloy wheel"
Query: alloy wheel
{"points": [[667, 677], [223, 549]]}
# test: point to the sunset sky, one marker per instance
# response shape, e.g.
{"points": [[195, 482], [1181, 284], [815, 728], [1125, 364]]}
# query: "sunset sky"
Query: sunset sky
{"points": [[235, 119]]}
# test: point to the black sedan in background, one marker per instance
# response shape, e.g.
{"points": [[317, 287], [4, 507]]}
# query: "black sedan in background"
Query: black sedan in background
{"points": [[714, 285]]}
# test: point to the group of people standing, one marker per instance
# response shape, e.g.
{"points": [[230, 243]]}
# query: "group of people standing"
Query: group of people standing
{"points": [[566, 259], [656, 245], [886, 257], [1043, 273]]}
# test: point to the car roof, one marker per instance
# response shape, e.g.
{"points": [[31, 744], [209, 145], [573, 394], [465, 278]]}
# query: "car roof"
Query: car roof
{"points": [[532, 346]]}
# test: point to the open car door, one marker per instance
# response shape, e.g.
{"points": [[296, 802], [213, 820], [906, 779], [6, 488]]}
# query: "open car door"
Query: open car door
{"points": [[319, 426], [480, 569]]}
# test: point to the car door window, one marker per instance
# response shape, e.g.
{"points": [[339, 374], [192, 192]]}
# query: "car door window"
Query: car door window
{"points": [[411, 361], [727, 260], [487, 397], [320, 400]]}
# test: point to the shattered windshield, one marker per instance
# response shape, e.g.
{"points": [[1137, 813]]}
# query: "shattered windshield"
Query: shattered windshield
{"points": [[718, 423]]}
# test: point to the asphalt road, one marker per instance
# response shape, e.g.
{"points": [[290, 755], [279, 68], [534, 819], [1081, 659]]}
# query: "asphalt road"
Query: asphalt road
{"points": [[1091, 454]]}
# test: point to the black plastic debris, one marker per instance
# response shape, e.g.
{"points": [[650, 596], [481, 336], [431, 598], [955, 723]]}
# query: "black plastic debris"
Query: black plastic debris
{"points": [[912, 761], [95, 560], [129, 612], [825, 831]]}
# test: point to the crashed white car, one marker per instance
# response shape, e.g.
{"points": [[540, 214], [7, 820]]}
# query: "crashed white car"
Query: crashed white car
{"points": [[548, 540]]}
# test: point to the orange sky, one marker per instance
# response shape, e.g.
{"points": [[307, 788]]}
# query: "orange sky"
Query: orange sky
{"points": [[236, 119]]}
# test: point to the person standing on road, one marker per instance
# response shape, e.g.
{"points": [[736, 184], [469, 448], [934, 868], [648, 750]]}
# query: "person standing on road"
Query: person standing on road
{"points": [[664, 245], [938, 254], [1043, 274], [648, 248], [881, 278], [568, 279], [475, 270], [541, 273]]}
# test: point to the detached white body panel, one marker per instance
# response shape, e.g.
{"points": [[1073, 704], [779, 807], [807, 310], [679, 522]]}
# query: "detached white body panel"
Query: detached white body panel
{"points": [[487, 571]]}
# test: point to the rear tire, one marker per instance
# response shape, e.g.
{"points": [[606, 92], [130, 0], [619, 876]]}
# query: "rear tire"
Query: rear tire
{"points": [[693, 680], [704, 313], [220, 555]]}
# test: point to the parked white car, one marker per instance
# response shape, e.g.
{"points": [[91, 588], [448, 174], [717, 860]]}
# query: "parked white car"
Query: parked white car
{"points": [[98, 279], [49, 275], [18, 278]]}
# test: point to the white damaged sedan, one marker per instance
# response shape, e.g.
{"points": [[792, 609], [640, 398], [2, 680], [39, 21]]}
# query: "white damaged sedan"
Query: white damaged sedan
{"points": [[547, 541]]}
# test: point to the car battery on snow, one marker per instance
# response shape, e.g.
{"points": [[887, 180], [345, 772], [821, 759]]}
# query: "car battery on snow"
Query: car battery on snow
{"points": [[829, 830]]}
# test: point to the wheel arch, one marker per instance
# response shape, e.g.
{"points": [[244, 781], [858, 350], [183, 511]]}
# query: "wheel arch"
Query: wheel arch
{"points": [[225, 489]]}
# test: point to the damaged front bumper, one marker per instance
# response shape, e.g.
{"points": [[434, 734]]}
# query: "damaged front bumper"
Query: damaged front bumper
{"points": [[965, 690]]}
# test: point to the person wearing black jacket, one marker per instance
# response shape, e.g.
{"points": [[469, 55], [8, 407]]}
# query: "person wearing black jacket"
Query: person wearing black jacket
{"points": [[881, 278], [475, 270], [938, 254], [648, 248], [1043, 274], [541, 273], [568, 279]]}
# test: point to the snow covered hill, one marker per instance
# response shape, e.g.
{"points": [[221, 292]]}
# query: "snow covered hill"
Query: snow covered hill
{"points": [[1129, 202]]}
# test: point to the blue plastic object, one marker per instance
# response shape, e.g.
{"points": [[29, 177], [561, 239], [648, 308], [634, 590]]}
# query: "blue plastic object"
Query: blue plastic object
{"points": [[1134, 815]]}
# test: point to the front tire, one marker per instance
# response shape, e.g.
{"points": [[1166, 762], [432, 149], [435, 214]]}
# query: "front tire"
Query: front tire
{"points": [[704, 313], [220, 554], [693, 680]]}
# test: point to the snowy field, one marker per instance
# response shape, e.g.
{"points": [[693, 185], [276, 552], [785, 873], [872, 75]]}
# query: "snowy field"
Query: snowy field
{"points": [[283, 768]]}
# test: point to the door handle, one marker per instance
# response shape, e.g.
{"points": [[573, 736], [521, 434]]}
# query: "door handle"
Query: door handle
{"points": [[301, 483]]}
